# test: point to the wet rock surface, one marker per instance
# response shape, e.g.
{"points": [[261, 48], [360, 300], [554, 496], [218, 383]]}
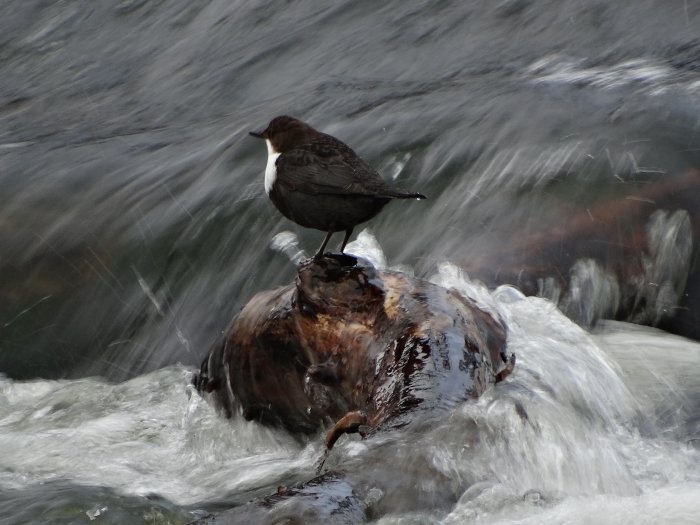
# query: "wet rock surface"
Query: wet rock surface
{"points": [[349, 338], [349, 348], [329, 498]]}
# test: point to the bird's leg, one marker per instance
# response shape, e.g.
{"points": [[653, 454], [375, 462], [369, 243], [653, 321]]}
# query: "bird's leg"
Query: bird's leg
{"points": [[348, 233], [319, 254]]}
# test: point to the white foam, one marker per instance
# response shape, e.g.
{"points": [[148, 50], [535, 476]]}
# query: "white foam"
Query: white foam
{"points": [[366, 246], [287, 243], [655, 76]]}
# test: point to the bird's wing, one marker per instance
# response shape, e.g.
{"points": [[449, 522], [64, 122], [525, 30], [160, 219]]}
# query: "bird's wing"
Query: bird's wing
{"points": [[318, 169]]}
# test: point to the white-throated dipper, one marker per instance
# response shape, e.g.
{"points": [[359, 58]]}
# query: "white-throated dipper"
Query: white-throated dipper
{"points": [[319, 182]]}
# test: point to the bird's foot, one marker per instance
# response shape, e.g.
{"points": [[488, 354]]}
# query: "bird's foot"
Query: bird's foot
{"points": [[343, 259]]}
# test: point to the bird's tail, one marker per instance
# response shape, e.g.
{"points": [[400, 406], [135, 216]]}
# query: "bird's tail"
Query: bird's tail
{"points": [[398, 194]]}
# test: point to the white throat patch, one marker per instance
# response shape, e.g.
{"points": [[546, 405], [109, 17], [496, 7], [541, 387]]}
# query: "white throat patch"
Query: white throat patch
{"points": [[271, 168]]}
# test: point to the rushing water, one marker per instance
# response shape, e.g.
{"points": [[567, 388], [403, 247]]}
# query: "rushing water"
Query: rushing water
{"points": [[133, 226], [590, 429]]}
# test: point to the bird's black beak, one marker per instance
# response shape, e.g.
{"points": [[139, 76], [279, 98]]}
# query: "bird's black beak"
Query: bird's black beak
{"points": [[257, 134]]}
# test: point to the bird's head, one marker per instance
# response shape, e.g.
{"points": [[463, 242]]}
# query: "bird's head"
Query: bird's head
{"points": [[284, 133]]}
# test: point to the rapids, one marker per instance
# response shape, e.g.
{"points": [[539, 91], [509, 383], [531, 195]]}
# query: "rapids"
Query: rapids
{"points": [[557, 136]]}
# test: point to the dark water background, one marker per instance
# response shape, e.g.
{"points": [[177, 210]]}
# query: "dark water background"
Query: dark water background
{"points": [[134, 225], [133, 222]]}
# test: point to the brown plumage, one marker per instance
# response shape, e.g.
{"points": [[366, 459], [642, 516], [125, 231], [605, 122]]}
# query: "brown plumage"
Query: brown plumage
{"points": [[319, 182]]}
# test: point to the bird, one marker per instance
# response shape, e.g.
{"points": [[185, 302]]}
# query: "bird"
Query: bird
{"points": [[319, 182]]}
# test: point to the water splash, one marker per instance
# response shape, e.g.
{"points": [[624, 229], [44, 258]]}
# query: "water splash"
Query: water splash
{"points": [[565, 432], [655, 76], [581, 424], [593, 293], [367, 246], [668, 263], [139, 437], [395, 165], [451, 276], [287, 243]]}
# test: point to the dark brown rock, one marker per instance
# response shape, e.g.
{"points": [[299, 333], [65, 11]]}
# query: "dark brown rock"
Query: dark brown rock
{"points": [[351, 344]]}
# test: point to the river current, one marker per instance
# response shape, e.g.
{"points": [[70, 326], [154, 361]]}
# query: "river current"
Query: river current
{"points": [[593, 428], [134, 226]]}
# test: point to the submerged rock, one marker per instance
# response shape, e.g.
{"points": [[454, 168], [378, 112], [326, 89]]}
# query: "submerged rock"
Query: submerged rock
{"points": [[354, 346], [328, 499], [628, 253]]}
